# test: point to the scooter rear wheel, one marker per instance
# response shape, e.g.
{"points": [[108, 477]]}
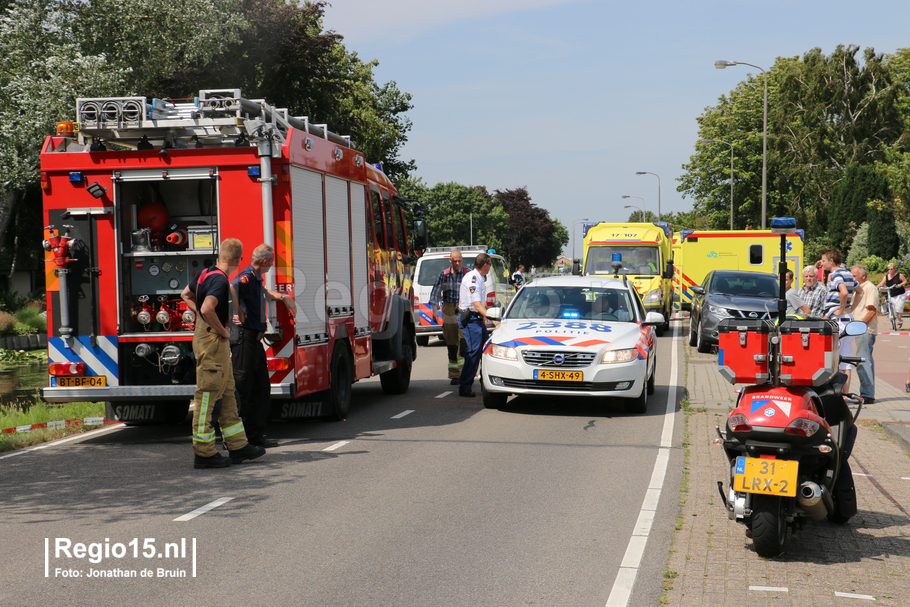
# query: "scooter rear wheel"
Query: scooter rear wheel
{"points": [[769, 525]]}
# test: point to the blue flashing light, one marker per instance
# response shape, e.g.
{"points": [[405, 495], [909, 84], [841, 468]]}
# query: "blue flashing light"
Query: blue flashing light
{"points": [[570, 314], [617, 257], [783, 222], [76, 177], [491, 251], [254, 171]]}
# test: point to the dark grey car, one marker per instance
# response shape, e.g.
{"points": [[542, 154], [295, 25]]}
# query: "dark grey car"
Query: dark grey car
{"points": [[730, 294]]}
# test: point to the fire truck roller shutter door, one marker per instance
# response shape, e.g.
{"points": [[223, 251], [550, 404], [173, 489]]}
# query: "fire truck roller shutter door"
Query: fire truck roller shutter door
{"points": [[360, 253], [309, 253], [338, 247]]}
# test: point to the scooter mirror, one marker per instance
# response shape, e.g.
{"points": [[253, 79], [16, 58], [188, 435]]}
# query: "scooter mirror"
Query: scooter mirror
{"points": [[855, 328]]}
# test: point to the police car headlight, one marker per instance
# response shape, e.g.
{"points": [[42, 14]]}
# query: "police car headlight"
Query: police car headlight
{"points": [[653, 296], [189, 317], [506, 352], [619, 356], [144, 317], [719, 312], [163, 317]]}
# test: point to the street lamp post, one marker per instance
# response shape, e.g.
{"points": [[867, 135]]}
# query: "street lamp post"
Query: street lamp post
{"points": [[731, 172], [721, 64], [642, 205], [635, 206], [658, 188], [574, 223]]}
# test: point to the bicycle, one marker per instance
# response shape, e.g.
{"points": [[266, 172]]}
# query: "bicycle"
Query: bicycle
{"points": [[895, 316]]}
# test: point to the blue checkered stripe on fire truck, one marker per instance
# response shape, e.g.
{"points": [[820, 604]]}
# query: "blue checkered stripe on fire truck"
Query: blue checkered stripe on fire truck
{"points": [[100, 359]]}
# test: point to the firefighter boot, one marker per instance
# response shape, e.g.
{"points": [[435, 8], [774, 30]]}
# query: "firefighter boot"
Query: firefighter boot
{"points": [[213, 461], [246, 452], [455, 364]]}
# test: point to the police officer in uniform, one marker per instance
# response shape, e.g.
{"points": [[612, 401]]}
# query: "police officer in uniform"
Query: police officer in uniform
{"points": [[471, 315], [251, 372], [207, 295]]}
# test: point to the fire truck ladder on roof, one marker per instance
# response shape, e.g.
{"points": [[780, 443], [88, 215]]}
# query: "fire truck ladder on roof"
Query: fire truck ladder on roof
{"points": [[216, 118]]}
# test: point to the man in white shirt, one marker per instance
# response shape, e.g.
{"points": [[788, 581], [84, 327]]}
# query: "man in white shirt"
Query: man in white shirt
{"points": [[472, 312]]}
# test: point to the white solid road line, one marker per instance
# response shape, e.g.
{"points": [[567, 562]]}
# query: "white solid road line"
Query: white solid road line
{"points": [[210, 506], [337, 445], [628, 569], [60, 441], [402, 414]]}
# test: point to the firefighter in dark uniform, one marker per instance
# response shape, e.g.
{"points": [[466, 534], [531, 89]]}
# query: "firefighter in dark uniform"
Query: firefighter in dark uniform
{"points": [[248, 357], [207, 295]]}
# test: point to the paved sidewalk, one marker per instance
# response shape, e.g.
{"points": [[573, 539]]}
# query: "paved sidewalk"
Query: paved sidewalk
{"points": [[865, 562]]}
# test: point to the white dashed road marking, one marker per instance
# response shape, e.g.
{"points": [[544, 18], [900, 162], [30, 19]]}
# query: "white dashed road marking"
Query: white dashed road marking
{"points": [[337, 445], [210, 506], [444, 394], [402, 414]]}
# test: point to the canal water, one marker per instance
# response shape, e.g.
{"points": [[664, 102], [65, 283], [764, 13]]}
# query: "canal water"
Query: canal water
{"points": [[19, 383]]}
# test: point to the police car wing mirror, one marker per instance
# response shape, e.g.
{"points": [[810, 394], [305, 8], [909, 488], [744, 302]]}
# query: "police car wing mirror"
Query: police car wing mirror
{"points": [[855, 328], [654, 318], [494, 313]]}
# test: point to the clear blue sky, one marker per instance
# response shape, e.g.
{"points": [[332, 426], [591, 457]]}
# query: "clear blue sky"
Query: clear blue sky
{"points": [[571, 98]]}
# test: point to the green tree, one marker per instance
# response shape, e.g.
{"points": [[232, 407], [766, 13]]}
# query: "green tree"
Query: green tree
{"points": [[830, 112], [57, 50], [736, 119], [532, 238], [455, 211], [284, 56]]}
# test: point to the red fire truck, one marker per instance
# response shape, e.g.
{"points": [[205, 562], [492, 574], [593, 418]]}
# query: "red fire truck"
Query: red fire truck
{"points": [[139, 193]]}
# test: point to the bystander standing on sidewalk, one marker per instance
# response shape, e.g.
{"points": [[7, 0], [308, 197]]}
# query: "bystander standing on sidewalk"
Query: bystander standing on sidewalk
{"points": [[895, 282], [837, 305], [813, 292], [865, 309]]}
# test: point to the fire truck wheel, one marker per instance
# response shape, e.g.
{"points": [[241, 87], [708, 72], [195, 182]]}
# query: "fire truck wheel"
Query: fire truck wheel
{"points": [[769, 525], [423, 340], [398, 379], [339, 393]]}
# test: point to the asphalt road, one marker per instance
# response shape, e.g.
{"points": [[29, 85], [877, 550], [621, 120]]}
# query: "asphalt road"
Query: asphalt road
{"points": [[421, 499]]}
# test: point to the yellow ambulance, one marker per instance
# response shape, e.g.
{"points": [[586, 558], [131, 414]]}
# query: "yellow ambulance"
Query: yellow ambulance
{"points": [[697, 252], [647, 260]]}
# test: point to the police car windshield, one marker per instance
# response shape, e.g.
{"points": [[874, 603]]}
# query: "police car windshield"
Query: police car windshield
{"points": [[642, 261], [602, 304], [430, 269]]}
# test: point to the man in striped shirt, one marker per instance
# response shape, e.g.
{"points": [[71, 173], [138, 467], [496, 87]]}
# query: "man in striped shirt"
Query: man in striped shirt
{"points": [[444, 301], [841, 285]]}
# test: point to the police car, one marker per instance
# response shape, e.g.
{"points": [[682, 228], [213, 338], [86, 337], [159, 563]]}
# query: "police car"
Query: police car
{"points": [[572, 335]]}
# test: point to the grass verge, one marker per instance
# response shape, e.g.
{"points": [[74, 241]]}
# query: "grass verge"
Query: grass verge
{"points": [[40, 413]]}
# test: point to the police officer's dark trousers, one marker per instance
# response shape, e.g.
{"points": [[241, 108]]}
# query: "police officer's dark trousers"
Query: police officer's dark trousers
{"points": [[251, 377], [214, 381], [475, 335]]}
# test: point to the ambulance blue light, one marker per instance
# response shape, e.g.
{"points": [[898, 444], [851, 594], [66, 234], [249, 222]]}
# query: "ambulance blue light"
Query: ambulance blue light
{"points": [[254, 171], [783, 222], [76, 177], [617, 257]]}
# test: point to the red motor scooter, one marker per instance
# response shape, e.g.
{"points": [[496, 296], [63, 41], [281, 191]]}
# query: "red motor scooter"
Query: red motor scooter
{"points": [[791, 433]]}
